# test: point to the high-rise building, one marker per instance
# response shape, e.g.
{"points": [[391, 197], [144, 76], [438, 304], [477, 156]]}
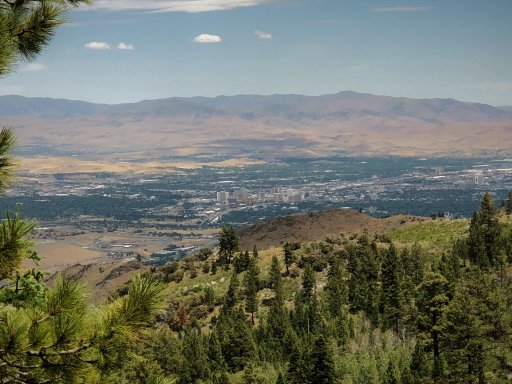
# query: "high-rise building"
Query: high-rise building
{"points": [[223, 197], [241, 195]]}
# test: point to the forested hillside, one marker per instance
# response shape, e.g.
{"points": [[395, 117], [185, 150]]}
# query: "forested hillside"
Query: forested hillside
{"points": [[352, 308], [349, 309]]}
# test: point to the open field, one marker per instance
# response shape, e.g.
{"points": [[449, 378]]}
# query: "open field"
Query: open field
{"points": [[59, 251], [57, 254], [64, 164], [435, 235]]}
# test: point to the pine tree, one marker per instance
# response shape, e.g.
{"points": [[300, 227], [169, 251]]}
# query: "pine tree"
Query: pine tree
{"points": [[246, 260], [251, 376], [14, 244], [26, 27], [289, 257], [237, 339], [432, 302], [195, 357], [300, 367], [251, 282], [213, 271], [255, 252], [209, 297], [7, 164], [280, 379], [242, 261], [476, 247], [392, 375], [336, 289], [336, 299], [237, 263], [221, 379], [416, 267], [323, 366], [412, 262], [306, 313], [476, 325], [232, 296], [484, 234], [419, 364], [508, 204], [229, 243], [391, 296], [278, 335], [308, 283], [364, 285], [450, 267], [275, 278], [215, 358]]}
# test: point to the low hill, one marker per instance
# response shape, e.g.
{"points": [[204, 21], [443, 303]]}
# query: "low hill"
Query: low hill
{"points": [[435, 236], [314, 226], [105, 278]]}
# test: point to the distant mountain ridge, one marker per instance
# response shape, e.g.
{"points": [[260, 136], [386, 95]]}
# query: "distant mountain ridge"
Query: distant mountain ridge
{"points": [[294, 124], [341, 104]]}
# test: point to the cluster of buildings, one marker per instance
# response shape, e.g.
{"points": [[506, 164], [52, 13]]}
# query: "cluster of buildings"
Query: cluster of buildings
{"points": [[277, 195]]}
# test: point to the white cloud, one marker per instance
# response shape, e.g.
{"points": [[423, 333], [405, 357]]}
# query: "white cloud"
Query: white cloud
{"points": [[190, 6], [263, 35], [97, 45], [125, 46], [206, 38], [33, 67], [399, 9]]}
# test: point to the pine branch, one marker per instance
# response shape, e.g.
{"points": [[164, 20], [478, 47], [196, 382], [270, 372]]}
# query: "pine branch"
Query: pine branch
{"points": [[7, 144], [71, 351], [27, 26]]}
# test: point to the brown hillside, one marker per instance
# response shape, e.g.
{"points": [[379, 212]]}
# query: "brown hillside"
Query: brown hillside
{"points": [[315, 226], [103, 279], [252, 126]]}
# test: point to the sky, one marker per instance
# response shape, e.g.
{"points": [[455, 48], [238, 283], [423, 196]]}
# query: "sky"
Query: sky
{"points": [[130, 50]]}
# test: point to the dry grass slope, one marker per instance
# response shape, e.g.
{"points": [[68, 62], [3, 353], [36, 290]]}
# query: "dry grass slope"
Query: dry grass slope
{"points": [[314, 226]]}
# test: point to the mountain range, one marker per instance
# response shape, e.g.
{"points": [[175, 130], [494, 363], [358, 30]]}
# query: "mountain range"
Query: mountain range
{"points": [[259, 126]]}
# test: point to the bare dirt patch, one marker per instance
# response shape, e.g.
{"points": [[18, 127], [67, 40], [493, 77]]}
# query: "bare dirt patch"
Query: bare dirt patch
{"points": [[58, 254]]}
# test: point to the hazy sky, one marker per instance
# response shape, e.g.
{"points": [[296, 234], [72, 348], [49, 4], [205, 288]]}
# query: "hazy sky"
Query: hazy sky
{"points": [[129, 50]]}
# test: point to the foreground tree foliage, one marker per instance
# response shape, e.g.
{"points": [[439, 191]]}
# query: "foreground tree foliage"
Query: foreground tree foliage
{"points": [[65, 340], [53, 335], [27, 26]]}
